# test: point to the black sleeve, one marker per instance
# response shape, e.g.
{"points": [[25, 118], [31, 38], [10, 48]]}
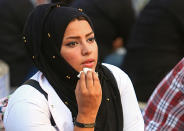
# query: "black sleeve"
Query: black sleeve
{"points": [[121, 13]]}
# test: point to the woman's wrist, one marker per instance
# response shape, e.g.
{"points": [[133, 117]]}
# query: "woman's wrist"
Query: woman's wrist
{"points": [[84, 125], [86, 118], [85, 121]]}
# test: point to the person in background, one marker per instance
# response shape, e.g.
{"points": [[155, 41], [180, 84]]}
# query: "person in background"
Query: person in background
{"points": [[113, 20], [72, 90], [67, 2], [165, 108], [139, 5], [12, 18], [155, 45]]}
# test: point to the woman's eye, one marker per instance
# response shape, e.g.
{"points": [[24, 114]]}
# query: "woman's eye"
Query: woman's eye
{"points": [[91, 39], [72, 44]]}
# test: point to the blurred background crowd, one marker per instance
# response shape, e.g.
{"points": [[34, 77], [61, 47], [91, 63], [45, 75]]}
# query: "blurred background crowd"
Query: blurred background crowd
{"points": [[145, 38], [142, 37]]}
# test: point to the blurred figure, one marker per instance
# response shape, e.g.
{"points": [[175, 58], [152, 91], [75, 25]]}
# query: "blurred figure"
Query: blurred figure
{"points": [[139, 5], [118, 53], [165, 109], [65, 1], [112, 19], [12, 17], [155, 46]]}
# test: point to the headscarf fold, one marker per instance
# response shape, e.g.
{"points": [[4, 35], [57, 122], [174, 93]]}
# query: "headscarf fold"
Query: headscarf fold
{"points": [[43, 35]]}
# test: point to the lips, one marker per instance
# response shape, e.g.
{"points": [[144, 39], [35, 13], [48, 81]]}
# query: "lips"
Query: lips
{"points": [[88, 63]]}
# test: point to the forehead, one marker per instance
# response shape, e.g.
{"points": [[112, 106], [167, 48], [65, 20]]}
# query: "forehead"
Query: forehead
{"points": [[76, 27]]}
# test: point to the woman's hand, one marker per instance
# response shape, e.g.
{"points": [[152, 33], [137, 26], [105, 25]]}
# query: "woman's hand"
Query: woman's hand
{"points": [[89, 95]]}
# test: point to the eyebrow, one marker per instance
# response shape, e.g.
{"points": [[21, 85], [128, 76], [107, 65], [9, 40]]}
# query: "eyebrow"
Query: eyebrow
{"points": [[77, 37]]}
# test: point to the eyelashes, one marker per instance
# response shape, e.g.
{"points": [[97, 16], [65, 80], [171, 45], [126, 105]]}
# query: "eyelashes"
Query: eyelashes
{"points": [[75, 43], [71, 44], [91, 39]]}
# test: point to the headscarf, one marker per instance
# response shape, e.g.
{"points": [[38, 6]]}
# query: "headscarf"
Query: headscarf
{"points": [[43, 35]]}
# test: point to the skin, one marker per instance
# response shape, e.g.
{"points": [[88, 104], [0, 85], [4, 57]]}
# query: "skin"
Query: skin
{"points": [[79, 45], [117, 43], [80, 50]]}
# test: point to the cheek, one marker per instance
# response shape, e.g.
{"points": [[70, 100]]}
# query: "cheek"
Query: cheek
{"points": [[95, 50], [71, 57]]}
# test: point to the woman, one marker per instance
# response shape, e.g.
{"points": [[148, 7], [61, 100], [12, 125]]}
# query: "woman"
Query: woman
{"points": [[61, 42]]}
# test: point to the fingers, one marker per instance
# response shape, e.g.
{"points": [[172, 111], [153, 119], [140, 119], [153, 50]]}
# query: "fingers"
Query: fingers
{"points": [[88, 94], [82, 82], [89, 80], [77, 87], [96, 81]]}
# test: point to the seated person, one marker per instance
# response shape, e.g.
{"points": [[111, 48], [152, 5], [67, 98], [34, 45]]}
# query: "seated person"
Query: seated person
{"points": [[61, 42]]}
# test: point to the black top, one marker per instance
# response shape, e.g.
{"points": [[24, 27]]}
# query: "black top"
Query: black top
{"points": [[156, 45]]}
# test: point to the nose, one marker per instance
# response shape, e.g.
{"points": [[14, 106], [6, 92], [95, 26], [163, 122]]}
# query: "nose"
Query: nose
{"points": [[86, 49]]}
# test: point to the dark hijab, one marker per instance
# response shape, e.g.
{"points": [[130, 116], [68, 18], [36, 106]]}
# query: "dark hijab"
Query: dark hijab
{"points": [[43, 35]]}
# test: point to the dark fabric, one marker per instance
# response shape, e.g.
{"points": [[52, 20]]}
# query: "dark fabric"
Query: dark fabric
{"points": [[155, 46], [53, 19], [65, 1], [111, 18], [12, 18], [114, 119]]}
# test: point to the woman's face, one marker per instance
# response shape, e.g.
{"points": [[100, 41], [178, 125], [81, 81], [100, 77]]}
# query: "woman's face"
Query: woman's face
{"points": [[79, 47]]}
